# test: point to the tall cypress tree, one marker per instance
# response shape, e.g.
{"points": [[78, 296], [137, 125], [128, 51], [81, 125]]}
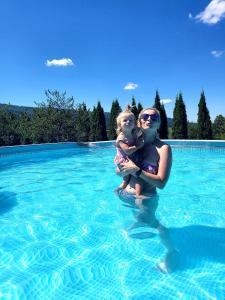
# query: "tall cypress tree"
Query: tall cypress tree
{"points": [[115, 110], [82, 123], [163, 130], [134, 109], [157, 103], [139, 107], [204, 121], [184, 118], [180, 125], [98, 126], [92, 135]]}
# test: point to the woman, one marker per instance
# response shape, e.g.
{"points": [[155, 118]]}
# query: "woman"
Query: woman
{"points": [[154, 171]]}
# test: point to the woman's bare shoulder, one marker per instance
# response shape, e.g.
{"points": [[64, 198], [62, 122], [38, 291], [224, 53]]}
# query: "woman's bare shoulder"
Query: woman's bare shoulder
{"points": [[162, 146]]}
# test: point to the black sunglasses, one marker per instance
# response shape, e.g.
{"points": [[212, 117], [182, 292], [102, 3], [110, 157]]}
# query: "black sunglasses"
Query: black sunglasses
{"points": [[153, 117]]}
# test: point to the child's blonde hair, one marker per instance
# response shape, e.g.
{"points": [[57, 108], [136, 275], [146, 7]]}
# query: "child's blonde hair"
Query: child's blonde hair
{"points": [[126, 113]]}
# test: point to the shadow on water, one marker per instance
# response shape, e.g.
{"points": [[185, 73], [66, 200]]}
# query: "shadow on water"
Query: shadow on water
{"points": [[187, 247], [196, 243], [7, 202]]}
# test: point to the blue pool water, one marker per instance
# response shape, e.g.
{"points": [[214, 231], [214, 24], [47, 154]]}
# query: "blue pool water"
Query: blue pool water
{"points": [[65, 235]]}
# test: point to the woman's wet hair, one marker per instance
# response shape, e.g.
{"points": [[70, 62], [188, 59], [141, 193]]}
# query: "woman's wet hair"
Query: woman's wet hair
{"points": [[143, 110], [125, 113]]}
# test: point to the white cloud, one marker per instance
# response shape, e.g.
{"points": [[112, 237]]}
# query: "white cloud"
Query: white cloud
{"points": [[213, 13], [130, 86], [190, 16], [217, 53], [165, 101], [63, 62]]}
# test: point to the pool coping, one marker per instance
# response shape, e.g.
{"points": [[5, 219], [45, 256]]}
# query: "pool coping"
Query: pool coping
{"points": [[7, 150]]}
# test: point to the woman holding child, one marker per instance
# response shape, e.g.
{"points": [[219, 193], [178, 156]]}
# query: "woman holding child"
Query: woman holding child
{"points": [[150, 170]]}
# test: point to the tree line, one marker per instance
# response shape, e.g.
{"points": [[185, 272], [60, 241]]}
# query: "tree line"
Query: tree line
{"points": [[58, 119]]}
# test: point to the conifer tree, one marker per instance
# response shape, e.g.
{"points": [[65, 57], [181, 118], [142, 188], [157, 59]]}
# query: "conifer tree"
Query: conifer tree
{"points": [[204, 121], [163, 130], [82, 123], [180, 125], [92, 136], [98, 124], [139, 108], [115, 110], [157, 103], [134, 109]]}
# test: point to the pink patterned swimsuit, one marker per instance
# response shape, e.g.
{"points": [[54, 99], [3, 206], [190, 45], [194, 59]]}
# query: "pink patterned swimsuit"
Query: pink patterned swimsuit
{"points": [[121, 156]]}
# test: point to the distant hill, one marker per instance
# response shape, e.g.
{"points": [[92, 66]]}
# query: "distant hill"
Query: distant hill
{"points": [[19, 109]]}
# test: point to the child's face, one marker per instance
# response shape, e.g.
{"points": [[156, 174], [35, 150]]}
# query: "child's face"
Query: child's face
{"points": [[127, 122]]}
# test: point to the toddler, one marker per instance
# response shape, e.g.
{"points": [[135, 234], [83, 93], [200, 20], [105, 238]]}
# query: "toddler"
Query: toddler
{"points": [[129, 140]]}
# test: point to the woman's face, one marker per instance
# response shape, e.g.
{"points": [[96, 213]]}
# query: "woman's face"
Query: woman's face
{"points": [[149, 119]]}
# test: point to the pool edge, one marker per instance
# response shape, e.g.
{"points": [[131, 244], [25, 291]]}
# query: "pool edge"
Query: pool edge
{"points": [[7, 150]]}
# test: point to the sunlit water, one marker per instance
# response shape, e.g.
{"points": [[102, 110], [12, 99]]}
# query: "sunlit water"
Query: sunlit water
{"points": [[64, 233]]}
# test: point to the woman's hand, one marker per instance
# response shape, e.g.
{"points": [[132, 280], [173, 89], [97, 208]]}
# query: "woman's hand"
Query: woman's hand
{"points": [[128, 168]]}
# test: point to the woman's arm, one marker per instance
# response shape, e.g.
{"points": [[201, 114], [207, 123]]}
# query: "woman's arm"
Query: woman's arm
{"points": [[159, 180]]}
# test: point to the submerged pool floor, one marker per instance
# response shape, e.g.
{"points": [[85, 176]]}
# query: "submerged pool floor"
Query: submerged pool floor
{"points": [[66, 235]]}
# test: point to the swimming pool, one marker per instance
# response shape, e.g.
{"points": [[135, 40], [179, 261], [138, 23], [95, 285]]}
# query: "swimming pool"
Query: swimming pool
{"points": [[64, 234]]}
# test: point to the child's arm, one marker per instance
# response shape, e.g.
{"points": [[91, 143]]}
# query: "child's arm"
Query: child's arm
{"points": [[129, 149]]}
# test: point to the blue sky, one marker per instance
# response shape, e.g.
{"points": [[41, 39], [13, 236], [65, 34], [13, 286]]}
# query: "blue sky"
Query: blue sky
{"points": [[106, 49]]}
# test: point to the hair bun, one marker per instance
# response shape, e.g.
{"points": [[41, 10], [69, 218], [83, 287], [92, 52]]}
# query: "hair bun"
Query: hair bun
{"points": [[128, 108]]}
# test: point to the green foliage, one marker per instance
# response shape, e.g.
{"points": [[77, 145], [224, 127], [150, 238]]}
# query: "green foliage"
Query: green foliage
{"points": [[98, 124], [134, 109], [115, 110], [82, 123], [56, 100], [8, 125], [157, 103], [24, 128], [219, 127], [204, 121], [180, 127], [192, 131], [93, 118], [54, 119], [139, 108], [163, 130]]}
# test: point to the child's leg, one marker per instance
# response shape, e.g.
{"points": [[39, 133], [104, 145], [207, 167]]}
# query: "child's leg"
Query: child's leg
{"points": [[124, 183], [138, 187]]}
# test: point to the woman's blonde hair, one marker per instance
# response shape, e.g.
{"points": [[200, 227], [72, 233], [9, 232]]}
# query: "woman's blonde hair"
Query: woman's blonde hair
{"points": [[143, 110], [125, 113]]}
